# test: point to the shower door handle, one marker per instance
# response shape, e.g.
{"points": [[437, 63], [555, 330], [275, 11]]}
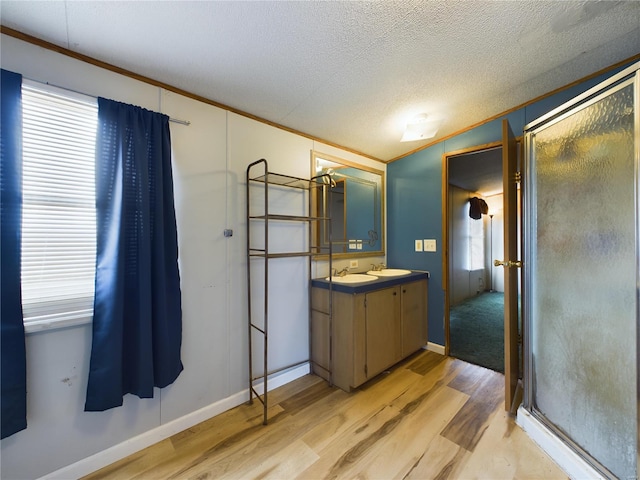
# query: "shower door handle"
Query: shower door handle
{"points": [[508, 263]]}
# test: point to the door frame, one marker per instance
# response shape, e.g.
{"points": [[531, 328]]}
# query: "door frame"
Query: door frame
{"points": [[513, 370], [445, 229], [512, 264]]}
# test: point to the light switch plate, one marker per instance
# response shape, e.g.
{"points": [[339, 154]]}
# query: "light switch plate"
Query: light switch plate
{"points": [[418, 245], [429, 245]]}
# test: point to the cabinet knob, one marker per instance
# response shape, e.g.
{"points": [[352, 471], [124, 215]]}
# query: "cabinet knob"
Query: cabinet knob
{"points": [[395, 293]]}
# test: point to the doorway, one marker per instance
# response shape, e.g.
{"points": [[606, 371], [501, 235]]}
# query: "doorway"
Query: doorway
{"points": [[474, 305]]}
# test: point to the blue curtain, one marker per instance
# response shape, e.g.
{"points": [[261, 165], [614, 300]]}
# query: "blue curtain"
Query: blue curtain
{"points": [[137, 319], [13, 368]]}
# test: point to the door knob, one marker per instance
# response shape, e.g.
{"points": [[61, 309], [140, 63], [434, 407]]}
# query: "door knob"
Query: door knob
{"points": [[508, 263]]}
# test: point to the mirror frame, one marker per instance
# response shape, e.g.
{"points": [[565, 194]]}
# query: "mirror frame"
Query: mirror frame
{"points": [[315, 231]]}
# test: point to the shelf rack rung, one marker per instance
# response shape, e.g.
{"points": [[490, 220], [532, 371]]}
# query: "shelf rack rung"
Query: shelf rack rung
{"points": [[282, 255], [257, 395], [253, 325], [292, 218], [283, 180]]}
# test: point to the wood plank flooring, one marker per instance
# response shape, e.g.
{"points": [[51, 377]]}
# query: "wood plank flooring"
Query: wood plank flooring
{"points": [[430, 417]]}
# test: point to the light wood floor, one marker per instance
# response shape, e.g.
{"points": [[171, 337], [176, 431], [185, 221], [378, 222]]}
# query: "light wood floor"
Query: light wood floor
{"points": [[431, 417]]}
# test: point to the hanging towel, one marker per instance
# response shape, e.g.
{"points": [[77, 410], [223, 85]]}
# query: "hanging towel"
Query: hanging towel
{"points": [[477, 207]]}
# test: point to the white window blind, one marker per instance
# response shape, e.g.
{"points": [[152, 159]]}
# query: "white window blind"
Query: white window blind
{"points": [[58, 213], [476, 244]]}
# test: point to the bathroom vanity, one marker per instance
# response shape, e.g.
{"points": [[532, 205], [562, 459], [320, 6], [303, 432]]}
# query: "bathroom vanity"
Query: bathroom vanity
{"points": [[375, 324]]}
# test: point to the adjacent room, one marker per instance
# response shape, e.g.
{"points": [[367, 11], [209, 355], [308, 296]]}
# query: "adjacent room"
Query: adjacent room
{"points": [[279, 239], [476, 285]]}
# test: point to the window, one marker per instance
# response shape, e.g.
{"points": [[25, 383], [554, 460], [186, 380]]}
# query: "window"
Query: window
{"points": [[58, 213], [476, 244]]}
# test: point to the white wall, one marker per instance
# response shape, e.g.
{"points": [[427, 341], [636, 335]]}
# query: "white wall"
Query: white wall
{"points": [[210, 159]]}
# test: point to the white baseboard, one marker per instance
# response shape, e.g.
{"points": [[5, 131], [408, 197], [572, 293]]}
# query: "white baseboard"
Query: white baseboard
{"points": [[144, 440], [573, 465], [434, 347]]}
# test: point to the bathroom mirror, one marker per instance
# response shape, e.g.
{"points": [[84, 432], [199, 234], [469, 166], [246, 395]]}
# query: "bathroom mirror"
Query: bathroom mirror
{"points": [[356, 206]]}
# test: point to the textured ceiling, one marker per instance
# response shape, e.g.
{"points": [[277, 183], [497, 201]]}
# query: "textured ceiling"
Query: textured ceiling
{"points": [[351, 73], [478, 172]]}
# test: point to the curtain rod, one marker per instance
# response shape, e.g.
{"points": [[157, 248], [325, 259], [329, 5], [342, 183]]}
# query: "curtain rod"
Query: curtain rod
{"points": [[174, 120], [181, 122]]}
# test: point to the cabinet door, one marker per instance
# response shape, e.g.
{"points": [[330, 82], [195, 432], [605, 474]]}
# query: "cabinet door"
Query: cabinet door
{"points": [[414, 316], [384, 342], [320, 335]]}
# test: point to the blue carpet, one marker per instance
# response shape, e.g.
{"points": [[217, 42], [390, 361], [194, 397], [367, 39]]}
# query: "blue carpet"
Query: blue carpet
{"points": [[476, 330]]}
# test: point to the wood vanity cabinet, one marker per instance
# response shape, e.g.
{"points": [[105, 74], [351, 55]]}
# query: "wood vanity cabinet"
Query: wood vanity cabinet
{"points": [[383, 330], [414, 316], [371, 331]]}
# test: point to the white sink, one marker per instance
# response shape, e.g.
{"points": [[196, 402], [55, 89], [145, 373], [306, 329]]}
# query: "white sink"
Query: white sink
{"points": [[354, 278], [389, 272]]}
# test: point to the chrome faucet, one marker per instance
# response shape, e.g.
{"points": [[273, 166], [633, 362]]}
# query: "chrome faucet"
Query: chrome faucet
{"points": [[379, 267], [343, 272]]}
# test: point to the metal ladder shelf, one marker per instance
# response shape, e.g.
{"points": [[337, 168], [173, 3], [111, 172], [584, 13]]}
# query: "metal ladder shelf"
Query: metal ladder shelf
{"points": [[268, 180]]}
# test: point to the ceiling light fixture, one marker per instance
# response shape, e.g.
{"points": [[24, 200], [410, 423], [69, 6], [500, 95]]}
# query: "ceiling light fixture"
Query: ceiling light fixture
{"points": [[420, 128]]}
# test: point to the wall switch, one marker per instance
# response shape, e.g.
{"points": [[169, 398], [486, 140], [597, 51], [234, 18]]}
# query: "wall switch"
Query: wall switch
{"points": [[418, 245], [353, 263], [429, 245], [352, 244], [359, 245]]}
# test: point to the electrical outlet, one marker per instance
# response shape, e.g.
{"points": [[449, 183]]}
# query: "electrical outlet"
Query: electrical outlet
{"points": [[429, 245], [418, 245], [353, 263]]}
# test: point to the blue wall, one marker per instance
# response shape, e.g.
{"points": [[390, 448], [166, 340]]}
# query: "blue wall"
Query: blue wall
{"points": [[414, 196]]}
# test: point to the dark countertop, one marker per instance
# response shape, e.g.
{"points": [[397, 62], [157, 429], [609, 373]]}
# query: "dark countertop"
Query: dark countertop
{"points": [[363, 287]]}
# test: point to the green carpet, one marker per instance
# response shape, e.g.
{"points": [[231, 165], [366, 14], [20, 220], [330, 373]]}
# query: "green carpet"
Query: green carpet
{"points": [[476, 330]]}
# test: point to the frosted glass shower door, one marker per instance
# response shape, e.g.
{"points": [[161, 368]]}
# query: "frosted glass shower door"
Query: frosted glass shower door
{"points": [[581, 277]]}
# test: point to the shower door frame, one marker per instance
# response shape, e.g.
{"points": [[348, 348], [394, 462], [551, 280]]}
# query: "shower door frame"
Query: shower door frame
{"points": [[628, 76]]}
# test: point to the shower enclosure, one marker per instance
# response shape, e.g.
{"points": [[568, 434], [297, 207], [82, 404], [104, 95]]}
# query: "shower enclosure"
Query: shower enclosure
{"points": [[581, 280]]}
